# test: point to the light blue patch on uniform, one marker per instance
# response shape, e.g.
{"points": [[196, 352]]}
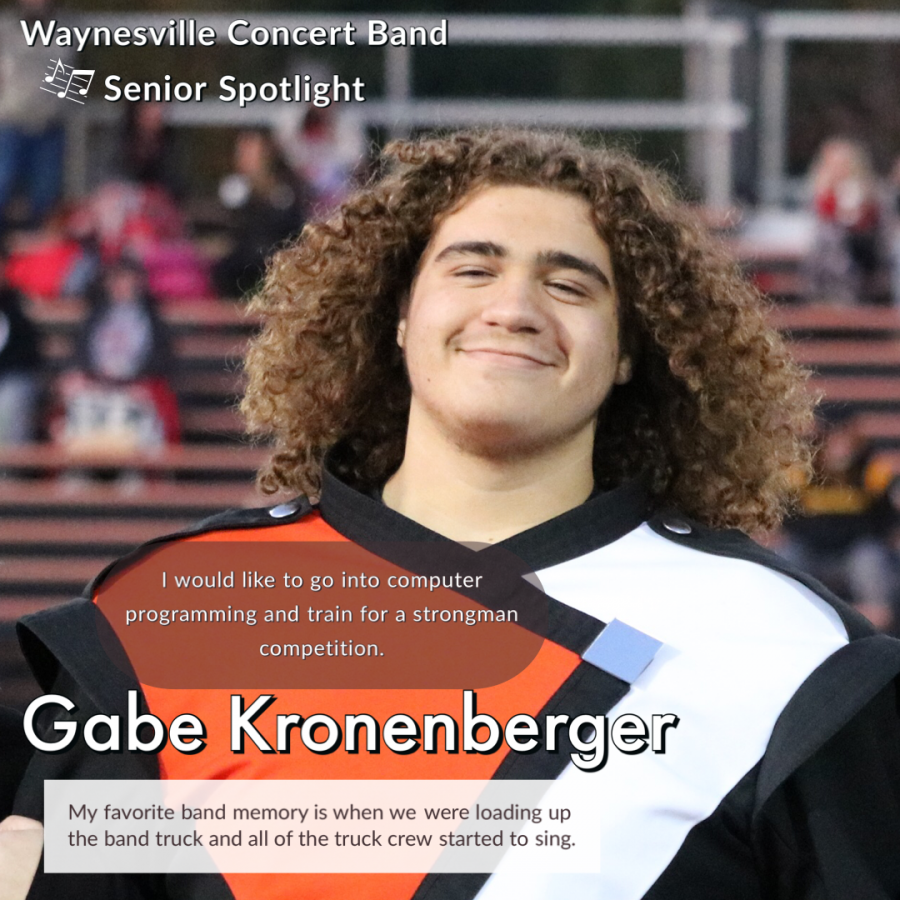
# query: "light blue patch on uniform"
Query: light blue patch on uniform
{"points": [[622, 651]]}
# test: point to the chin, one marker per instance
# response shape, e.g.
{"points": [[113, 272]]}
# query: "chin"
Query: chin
{"points": [[489, 437]]}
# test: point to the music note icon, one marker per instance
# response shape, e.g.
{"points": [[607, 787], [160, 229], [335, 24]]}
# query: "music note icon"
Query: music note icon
{"points": [[78, 73], [90, 73], [58, 65]]}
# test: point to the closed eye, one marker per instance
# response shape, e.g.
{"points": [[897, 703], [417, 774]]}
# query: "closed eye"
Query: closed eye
{"points": [[472, 272], [568, 288]]}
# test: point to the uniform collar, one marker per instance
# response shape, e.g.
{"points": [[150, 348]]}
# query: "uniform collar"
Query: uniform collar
{"points": [[600, 520]]}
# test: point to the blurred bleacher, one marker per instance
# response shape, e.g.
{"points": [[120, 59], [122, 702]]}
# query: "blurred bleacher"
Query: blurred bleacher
{"points": [[58, 528]]}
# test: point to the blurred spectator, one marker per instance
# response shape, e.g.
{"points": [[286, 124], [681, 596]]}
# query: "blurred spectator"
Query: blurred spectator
{"points": [[120, 218], [119, 396], [123, 338], [50, 263], [845, 520], [148, 150], [326, 149], [141, 221], [135, 213], [31, 119], [893, 229], [20, 371], [844, 194], [267, 205]]}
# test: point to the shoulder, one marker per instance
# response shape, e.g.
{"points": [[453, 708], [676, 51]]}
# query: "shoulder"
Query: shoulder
{"points": [[757, 567], [835, 745], [769, 631], [845, 683], [827, 800], [846, 693], [260, 523], [261, 517], [67, 636], [715, 597], [826, 791]]}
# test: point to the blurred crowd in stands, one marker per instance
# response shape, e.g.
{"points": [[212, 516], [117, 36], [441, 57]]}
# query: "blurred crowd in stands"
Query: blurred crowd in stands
{"points": [[847, 528], [126, 251], [846, 531], [855, 253]]}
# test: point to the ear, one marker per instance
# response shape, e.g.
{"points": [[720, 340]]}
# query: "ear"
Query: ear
{"points": [[623, 370], [403, 308]]}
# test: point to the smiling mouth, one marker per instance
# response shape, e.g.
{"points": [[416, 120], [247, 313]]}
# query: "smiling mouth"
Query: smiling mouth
{"points": [[507, 356]]}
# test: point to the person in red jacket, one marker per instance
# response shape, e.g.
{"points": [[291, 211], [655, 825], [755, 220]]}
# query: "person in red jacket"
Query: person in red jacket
{"points": [[845, 200]]}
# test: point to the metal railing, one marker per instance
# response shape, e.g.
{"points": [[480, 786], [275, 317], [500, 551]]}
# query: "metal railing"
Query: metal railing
{"points": [[715, 117], [779, 31]]}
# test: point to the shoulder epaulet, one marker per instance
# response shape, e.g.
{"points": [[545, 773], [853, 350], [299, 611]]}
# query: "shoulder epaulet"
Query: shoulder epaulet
{"points": [[732, 543], [73, 626], [229, 520], [262, 517]]}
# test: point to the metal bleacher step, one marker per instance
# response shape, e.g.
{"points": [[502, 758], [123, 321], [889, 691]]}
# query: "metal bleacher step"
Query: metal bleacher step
{"points": [[848, 356], [201, 386], [55, 536], [162, 499], [208, 424], [784, 285], [192, 350], [63, 576], [859, 392], [187, 314], [821, 320], [879, 429], [50, 458], [14, 607]]}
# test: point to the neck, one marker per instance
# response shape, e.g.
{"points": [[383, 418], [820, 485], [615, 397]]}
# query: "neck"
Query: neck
{"points": [[465, 495]]}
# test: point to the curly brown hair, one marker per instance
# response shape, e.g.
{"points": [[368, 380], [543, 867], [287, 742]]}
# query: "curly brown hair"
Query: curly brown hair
{"points": [[715, 414]]}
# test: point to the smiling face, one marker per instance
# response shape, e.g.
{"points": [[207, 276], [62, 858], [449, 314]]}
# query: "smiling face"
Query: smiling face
{"points": [[511, 332]]}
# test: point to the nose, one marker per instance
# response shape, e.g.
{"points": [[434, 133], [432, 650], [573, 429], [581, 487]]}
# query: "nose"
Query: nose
{"points": [[515, 304]]}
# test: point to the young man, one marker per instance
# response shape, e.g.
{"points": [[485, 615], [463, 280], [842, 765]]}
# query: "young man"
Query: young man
{"points": [[517, 340]]}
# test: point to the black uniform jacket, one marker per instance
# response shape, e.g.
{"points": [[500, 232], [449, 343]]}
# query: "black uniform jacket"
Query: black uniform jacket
{"points": [[816, 817]]}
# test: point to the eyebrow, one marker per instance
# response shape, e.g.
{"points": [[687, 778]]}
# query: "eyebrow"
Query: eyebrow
{"points": [[562, 260], [473, 248], [557, 258]]}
